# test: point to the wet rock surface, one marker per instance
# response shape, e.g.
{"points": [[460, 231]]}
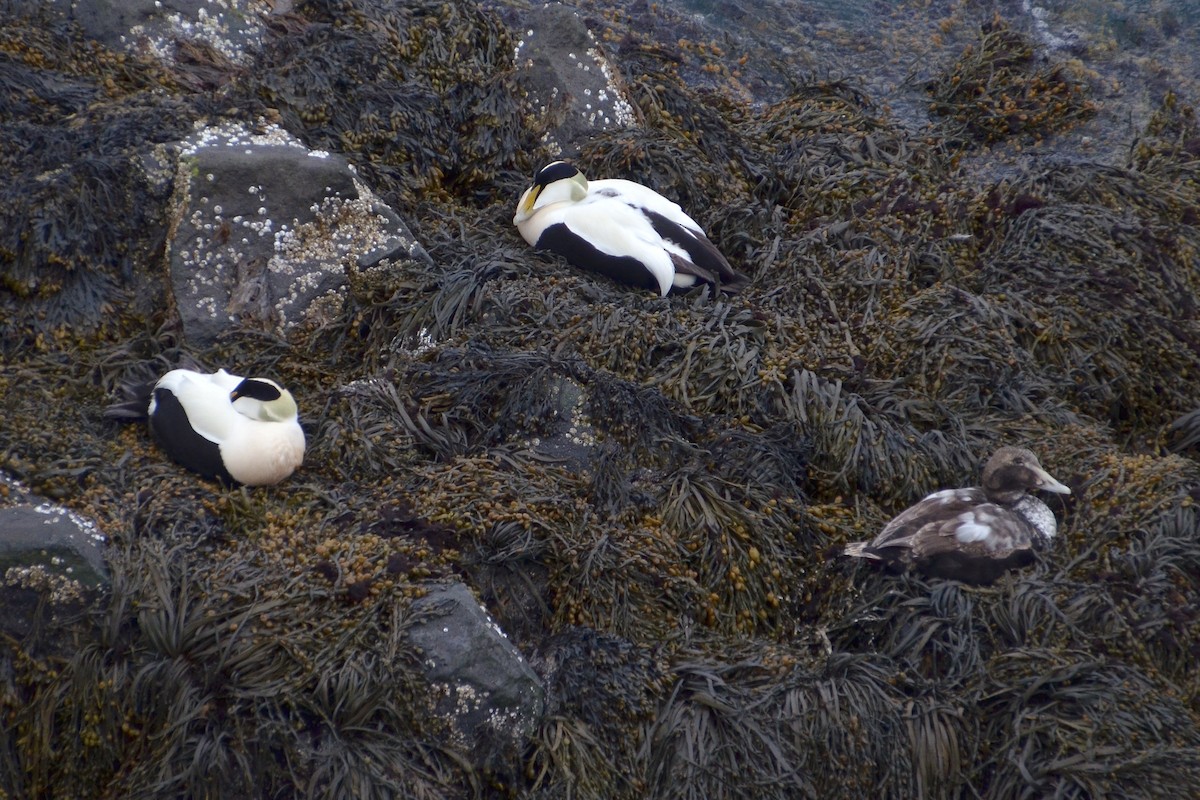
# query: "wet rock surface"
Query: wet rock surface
{"points": [[51, 561], [476, 676], [570, 82]]}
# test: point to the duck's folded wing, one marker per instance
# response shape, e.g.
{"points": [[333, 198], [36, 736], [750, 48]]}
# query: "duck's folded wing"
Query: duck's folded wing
{"points": [[927, 518], [706, 261], [612, 227], [205, 401], [639, 196], [985, 530]]}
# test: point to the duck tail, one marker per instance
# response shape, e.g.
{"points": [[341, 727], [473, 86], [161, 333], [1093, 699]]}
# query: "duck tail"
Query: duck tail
{"points": [[135, 390], [134, 404], [733, 282], [859, 550]]}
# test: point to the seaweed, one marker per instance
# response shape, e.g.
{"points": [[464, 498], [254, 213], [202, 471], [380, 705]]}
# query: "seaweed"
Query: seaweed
{"points": [[995, 91], [82, 218], [202, 683], [1036, 701], [419, 96], [651, 495]]}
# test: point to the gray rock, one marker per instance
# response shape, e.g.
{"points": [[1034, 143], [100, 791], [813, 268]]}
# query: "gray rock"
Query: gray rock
{"points": [[232, 28], [268, 234], [51, 560], [54, 538], [482, 684], [570, 82]]}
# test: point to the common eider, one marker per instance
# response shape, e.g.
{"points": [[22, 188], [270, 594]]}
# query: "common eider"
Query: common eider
{"points": [[973, 534], [222, 426], [620, 229]]}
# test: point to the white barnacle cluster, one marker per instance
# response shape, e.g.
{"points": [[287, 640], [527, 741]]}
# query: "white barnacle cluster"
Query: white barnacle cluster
{"points": [[504, 719], [607, 107], [614, 108], [423, 342], [224, 25], [468, 698], [340, 231], [224, 239], [59, 588], [207, 267], [552, 146], [521, 46], [579, 425], [235, 134], [341, 228], [580, 430], [56, 513]]}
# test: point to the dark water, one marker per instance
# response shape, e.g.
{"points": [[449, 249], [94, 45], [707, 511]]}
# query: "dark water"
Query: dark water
{"points": [[1129, 54]]}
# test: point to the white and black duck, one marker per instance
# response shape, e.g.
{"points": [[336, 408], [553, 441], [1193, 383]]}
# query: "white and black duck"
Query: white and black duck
{"points": [[620, 229], [222, 426], [974, 534]]}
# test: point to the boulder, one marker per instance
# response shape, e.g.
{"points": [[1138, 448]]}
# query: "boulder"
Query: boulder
{"points": [[481, 683], [570, 81], [232, 29], [268, 234], [51, 560]]}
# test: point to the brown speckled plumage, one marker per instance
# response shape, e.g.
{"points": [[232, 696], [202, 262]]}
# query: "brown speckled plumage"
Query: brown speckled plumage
{"points": [[973, 534]]}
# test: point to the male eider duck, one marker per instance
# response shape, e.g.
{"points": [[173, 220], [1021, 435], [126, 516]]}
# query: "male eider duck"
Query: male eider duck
{"points": [[223, 426], [622, 230], [973, 534]]}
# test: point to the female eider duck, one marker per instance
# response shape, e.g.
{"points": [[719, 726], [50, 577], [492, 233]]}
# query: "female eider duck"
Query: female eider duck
{"points": [[234, 429], [973, 534], [622, 230]]}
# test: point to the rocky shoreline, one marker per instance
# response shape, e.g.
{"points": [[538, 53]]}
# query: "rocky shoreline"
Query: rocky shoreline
{"points": [[554, 537]]}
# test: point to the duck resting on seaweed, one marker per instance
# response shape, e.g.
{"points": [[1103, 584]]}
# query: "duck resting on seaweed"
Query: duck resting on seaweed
{"points": [[620, 229], [974, 534], [223, 426]]}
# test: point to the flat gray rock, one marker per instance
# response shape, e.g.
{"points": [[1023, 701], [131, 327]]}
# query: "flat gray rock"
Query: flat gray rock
{"points": [[481, 682]]}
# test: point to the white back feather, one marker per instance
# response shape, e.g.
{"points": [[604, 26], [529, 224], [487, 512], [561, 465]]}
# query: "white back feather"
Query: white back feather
{"points": [[205, 398], [643, 197]]}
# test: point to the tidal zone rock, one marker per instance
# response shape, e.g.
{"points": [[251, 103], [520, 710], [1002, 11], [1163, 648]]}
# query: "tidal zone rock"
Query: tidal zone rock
{"points": [[481, 683], [51, 560], [268, 234]]}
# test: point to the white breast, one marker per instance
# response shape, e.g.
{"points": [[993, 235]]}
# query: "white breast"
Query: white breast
{"points": [[260, 453], [1039, 516]]}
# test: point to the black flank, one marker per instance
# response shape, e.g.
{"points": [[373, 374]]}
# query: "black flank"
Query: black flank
{"points": [[174, 432], [623, 269]]}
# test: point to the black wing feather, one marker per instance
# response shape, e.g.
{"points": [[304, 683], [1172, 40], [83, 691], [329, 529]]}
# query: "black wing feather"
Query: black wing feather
{"points": [[175, 434], [704, 254], [558, 238]]}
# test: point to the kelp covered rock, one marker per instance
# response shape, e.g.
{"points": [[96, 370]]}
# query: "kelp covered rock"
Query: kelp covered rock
{"points": [[650, 495], [996, 90], [422, 96]]}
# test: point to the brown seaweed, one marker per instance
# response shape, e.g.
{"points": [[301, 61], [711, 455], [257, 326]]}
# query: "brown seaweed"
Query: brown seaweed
{"points": [[648, 493]]}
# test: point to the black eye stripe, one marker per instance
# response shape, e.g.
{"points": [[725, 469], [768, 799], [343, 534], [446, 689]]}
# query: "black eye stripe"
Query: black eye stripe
{"points": [[554, 172], [257, 390]]}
